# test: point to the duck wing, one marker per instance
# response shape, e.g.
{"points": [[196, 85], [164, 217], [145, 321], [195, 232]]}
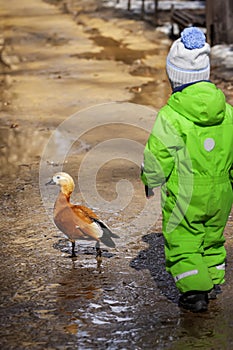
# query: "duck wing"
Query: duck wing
{"points": [[86, 211], [65, 221], [95, 225], [85, 222]]}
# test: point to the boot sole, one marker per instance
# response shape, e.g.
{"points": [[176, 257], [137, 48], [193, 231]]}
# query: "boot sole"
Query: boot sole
{"points": [[199, 306]]}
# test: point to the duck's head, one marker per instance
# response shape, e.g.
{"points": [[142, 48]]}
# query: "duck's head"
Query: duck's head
{"points": [[65, 181]]}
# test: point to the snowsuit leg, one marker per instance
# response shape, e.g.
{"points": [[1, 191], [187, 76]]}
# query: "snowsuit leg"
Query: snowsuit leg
{"points": [[214, 251], [194, 248]]}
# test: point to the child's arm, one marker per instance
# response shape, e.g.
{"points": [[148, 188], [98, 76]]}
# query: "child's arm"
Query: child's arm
{"points": [[159, 153]]}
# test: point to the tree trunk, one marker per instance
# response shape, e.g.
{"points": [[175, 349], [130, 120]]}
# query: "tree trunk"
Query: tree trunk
{"points": [[219, 21]]}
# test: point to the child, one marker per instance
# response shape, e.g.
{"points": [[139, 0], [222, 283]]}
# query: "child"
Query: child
{"points": [[190, 155]]}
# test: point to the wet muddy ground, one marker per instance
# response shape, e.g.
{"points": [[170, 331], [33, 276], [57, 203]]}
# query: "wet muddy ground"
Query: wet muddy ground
{"points": [[80, 87]]}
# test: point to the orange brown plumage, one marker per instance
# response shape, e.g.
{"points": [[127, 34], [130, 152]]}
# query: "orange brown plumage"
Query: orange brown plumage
{"points": [[77, 221]]}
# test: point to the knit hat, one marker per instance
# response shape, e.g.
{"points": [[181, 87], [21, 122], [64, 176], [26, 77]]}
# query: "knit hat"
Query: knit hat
{"points": [[188, 59]]}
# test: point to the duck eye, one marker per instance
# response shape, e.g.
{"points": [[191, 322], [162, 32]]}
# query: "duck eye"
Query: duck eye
{"points": [[58, 177]]}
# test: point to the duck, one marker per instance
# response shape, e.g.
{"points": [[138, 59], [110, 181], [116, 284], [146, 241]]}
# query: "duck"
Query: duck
{"points": [[78, 222]]}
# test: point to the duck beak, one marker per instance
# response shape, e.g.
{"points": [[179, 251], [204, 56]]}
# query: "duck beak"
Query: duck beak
{"points": [[51, 182]]}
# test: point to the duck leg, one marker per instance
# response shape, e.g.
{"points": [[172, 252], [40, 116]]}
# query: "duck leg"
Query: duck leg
{"points": [[98, 252], [73, 255]]}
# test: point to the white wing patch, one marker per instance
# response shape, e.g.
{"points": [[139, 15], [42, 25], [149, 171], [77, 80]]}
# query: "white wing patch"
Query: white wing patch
{"points": [[94, 228], [97, 229]]}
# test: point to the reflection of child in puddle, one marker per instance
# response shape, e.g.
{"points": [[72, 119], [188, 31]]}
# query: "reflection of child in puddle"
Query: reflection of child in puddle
{"points": [[189, 153]]}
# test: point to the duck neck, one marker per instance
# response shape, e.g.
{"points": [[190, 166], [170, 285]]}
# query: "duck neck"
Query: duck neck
{"points": [[61, 202], [67, 190]]}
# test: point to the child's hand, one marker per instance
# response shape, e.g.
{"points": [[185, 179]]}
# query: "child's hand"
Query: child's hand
{"points": [[149, 192]]}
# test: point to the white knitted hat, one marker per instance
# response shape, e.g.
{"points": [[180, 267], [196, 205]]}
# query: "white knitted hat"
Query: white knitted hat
{"points": [[188, 59]]}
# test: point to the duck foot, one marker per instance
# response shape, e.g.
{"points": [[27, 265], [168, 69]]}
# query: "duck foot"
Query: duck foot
{"points": [[98, 254], [98, 250]]}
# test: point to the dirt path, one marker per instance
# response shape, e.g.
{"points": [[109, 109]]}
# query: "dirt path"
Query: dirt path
{"points": [[66, 85]]}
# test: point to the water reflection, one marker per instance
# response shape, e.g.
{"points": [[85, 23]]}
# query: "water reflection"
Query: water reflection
{"points": [[203, 331], [19, 147], [79, 283], [109, 309]]}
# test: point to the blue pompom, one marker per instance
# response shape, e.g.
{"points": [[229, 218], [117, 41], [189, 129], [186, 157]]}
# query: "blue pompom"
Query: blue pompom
{"points": [[193, 38]]}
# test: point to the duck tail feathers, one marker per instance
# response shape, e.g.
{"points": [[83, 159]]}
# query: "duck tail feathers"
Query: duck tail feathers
{"points": [[107, 234], [106, 238]]}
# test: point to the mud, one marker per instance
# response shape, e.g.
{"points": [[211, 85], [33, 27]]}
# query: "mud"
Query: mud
{"points": [[57, 60]]}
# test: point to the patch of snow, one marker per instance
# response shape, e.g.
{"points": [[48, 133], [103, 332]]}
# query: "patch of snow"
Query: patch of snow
{"points": [[149, 5], [223, 53]]}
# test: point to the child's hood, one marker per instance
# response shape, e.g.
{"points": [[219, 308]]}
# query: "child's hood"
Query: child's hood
{"points": [[202, 103]]}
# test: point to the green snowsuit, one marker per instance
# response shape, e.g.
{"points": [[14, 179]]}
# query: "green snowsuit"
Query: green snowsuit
{"points": [[190, 155]]}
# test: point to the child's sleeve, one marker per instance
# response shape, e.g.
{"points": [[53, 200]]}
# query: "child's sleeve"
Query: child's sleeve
{"points": [[230, 111], [160, 152], [231, 176]]}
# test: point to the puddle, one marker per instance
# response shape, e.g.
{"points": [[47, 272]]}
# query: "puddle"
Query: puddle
{"points": [[19, 147], [115, 50], [153, 93], [149, 93]]}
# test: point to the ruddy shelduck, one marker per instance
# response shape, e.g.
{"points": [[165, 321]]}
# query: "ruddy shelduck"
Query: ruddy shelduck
{"points": [[78, 222]]}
